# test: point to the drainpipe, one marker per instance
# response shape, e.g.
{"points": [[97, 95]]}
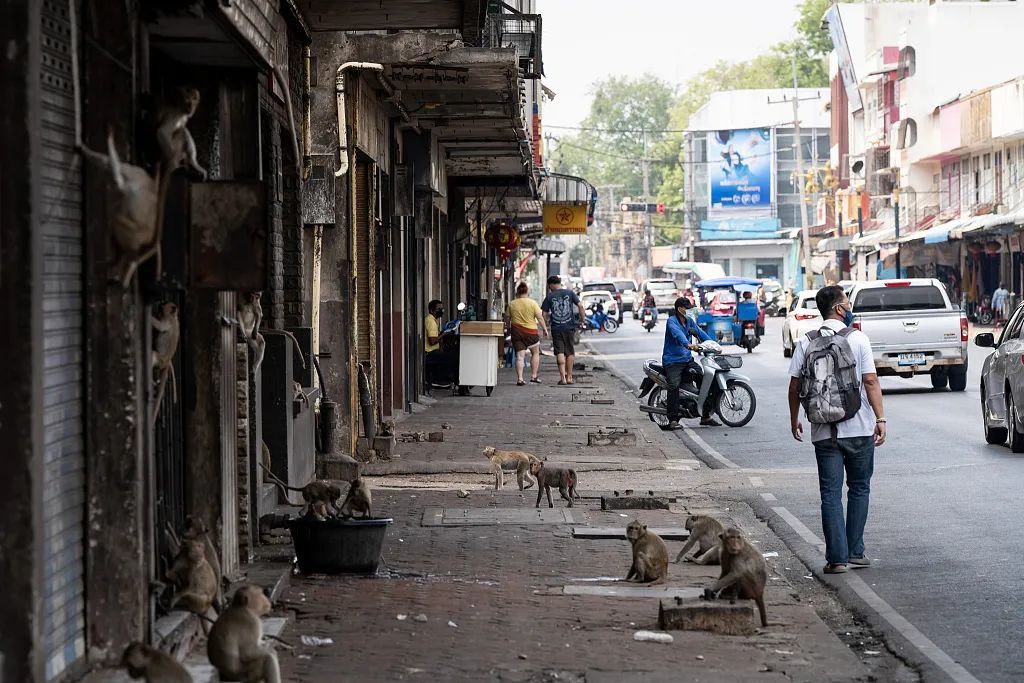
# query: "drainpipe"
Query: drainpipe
{"points": [[339, 90]]}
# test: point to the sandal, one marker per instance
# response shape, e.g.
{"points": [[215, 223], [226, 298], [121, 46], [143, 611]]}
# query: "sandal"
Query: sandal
{"points": [[562, 382], [520, 383], [835, 569], [534, 380]]}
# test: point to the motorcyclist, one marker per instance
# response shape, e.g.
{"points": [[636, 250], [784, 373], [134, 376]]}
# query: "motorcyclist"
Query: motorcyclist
{"points": [[678, 362], [649, 304]]}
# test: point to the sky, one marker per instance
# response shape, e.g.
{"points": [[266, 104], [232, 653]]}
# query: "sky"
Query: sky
{"points": [[587, 40]]}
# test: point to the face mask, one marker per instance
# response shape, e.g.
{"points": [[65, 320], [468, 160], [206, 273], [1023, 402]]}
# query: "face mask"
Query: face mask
{"points": [[848, 316]]}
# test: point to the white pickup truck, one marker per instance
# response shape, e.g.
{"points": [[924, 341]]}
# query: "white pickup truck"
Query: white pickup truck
{"points": [[914, 329]]}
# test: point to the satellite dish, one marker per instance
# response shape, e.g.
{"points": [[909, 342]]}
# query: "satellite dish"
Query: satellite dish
{"points": [[857, 167]]}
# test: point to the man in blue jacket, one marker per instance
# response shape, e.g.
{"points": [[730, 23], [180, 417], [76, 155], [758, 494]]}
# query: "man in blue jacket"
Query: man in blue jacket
{"points": [[678, 362]]}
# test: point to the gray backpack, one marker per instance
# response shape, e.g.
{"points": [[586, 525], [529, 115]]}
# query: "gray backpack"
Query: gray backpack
{"points": [[829, 384]]}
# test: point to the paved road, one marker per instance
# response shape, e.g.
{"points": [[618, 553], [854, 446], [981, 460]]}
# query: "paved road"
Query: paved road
{"points": [[943, 527]]}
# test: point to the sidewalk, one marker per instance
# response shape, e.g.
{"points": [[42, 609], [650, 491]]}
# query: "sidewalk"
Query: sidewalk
{"points": [[485, 588]]}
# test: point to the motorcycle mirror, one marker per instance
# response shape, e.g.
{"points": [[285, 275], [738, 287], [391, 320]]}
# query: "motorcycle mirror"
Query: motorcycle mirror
{"points": [[461, 306]]}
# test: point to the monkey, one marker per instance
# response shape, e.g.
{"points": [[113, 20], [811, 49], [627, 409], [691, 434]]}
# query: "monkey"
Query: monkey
{"points": [[143, 661], [704, 532], [317, 511], [196, 530], [165, 344], [137, 213], [250, 317], [298, 394], [177, 147], [235, 646], [314, 492], [265, 455], [744, 572], [358, 499], [650, 554], [564, 478], [194, 577], [518, 458]]}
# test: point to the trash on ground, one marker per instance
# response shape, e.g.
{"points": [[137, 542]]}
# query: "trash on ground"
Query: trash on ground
{"points": [[463, 493], [782, 652], [700, 658], [872, 652], [652, 637], [316, 641], [452, 624], [401, 617], [522, 656], [420, 617], [771, 554]]}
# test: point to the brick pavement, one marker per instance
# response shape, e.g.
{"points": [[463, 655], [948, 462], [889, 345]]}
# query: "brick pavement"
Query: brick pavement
{"points": [[501, 585]]}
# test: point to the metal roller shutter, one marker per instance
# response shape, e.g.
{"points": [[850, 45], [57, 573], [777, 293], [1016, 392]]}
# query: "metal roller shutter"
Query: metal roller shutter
{"points": [[62, 608], [365, 269]]}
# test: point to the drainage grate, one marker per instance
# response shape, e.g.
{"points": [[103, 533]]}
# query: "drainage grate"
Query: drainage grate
{"points": [[618, 533], [496, 516]]}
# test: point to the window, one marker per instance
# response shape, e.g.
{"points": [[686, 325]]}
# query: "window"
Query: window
{"points": [[886, 299], [986, 160], [784, 146], [824, 146], [1012, 328]]}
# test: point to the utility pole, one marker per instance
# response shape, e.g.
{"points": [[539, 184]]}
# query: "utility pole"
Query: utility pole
{"points": [[805, 235], [648, 225], [896, 213]]}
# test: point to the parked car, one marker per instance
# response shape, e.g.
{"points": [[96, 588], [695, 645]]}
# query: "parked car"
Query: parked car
{"points": [[914, 329], [1002, 383], [665, 293], [607, 286], [626, 290], [603, 296], [803, 317]]}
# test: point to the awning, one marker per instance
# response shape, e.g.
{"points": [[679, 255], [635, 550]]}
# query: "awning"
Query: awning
{"points": [[980, 223], [838, 243], [871, 240]]}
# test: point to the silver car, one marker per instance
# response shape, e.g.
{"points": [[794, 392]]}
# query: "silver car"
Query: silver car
{"points": [[1002, 384]]}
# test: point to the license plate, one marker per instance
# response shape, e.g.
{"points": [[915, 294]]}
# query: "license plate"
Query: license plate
{"points": [[911, 359], [749, 332]]}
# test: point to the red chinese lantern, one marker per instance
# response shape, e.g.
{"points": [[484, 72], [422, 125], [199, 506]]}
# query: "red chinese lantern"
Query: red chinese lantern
{"points": [[504, 238], [992, 247]]}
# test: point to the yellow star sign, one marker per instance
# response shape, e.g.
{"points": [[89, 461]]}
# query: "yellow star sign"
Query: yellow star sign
{"points": [[565, 218]]}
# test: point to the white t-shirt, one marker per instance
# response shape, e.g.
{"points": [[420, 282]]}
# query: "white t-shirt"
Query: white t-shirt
{"points": [[863, 423]]}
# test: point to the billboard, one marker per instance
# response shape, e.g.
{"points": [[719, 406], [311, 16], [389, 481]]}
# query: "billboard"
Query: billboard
{"points": [[739, 228], [842, 51], [740, 170], [565, 218]]}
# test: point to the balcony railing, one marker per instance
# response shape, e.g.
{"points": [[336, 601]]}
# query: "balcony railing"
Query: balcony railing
{"points": [[521, 31]]}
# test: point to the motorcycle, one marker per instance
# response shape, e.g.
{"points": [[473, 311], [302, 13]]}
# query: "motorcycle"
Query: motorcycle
{"points": [[599, 320], [650, 318], [728, 392]]}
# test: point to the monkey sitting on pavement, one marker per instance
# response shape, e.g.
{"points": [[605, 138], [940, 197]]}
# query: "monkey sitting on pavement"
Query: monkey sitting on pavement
{"points": [[315, 491], [704, 533], [650, 554], [152, 665], [559, 476], [744, 572], [518, 458], [358, 499], [235, 646], [194, 578]]}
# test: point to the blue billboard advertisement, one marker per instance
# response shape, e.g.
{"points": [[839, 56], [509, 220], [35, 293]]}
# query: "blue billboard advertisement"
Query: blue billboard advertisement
{"points": [[739, 228], [740, 170]]}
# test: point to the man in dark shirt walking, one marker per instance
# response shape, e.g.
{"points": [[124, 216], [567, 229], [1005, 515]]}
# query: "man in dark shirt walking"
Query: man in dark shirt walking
{"points": [[560, 308]]}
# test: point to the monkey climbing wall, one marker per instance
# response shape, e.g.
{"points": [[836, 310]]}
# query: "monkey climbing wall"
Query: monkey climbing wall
{"points": [[62, 609]]}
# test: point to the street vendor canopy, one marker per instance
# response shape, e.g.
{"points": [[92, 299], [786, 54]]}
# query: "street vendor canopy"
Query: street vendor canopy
{"points": [[729, 282]]}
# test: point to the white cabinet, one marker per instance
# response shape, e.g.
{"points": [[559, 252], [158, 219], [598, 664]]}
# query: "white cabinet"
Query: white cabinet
{"points": [[478, 360]]}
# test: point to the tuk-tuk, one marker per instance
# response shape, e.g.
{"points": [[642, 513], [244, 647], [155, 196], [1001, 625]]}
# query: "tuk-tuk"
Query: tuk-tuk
{"points": [[731, 324]]}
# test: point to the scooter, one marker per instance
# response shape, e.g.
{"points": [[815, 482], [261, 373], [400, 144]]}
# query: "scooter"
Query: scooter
{"points": [[599, 320], [749, 339], [650, 318], [728, 392]]}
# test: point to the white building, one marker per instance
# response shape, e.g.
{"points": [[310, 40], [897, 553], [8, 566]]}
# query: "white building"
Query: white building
{"points": [[742, 207]]}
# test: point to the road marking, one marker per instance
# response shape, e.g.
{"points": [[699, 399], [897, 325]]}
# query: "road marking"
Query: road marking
{"points": [[757, 481], [770, 497], [799, 527], [910, 632], [709, 450], [919, 640]]}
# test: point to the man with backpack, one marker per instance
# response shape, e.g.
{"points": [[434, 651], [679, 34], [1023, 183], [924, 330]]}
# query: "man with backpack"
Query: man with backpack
{"points": [[833, 376]]}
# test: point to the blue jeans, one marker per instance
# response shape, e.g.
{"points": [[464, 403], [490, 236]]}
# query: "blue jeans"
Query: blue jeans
{"points": [[856, 455]]}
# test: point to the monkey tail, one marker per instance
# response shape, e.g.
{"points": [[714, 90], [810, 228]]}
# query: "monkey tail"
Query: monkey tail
{"points": [[159, 396], [760, 609], [115, 162], [174, 383], [278, 481]]}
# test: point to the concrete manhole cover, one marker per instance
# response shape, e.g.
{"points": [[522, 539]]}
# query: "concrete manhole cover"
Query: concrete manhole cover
{"points": [[496, 516]]}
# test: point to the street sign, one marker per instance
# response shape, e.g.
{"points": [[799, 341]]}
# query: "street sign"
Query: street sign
{"points": [[565, 218]]}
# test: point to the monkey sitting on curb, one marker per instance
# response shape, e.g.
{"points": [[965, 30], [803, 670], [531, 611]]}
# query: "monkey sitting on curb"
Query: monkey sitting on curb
{"points": [[650, 554], [194, 577], [152, 665], [704, 533], [518, 458], [358, 500], [744, 572], [559, 476], [235, 645]]}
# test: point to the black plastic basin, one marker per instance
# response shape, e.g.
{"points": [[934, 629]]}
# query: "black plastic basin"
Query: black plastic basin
{"points": [[337, 546]]}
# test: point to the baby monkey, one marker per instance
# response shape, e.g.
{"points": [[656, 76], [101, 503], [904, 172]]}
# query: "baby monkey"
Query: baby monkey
{"points": [[650, 554], [744, 572], [153, 666], [358, 500], [704, 533]]}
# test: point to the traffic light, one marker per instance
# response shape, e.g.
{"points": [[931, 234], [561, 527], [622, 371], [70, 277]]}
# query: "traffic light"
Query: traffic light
{"points": [[641, 207]]}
